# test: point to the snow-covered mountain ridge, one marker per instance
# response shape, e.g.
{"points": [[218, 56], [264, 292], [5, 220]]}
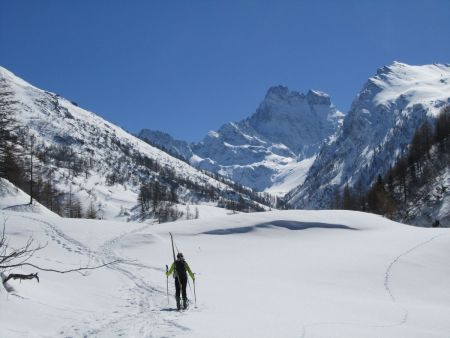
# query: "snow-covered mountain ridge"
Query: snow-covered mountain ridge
{"points": [[376, 131], [263, 151], [113, 163]]}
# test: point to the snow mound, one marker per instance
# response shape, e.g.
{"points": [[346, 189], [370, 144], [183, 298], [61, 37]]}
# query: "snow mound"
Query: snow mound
{"points": [[14, 199]]}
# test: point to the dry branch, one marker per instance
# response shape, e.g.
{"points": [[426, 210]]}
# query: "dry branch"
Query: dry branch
{"points": [[14, 258], [21, 276]]}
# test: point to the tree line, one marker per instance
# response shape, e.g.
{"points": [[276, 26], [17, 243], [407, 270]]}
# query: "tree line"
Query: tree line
{"points": [[390, 195], [33, 167]]}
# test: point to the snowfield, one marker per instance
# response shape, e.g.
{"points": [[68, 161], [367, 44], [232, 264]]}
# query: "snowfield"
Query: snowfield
{"points": [[272, 274]]}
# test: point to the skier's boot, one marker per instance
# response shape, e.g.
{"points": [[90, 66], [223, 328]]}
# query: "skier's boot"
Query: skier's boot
{"points": [[178, 304], [185, 304]]}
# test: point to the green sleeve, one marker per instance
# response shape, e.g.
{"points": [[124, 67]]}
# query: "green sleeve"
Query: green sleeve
{"points": [[172, 267], [189, 271]]}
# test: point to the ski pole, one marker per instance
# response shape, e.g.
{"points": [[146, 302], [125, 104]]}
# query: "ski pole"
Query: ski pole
{"points": [[167, 280], [195, 295]]}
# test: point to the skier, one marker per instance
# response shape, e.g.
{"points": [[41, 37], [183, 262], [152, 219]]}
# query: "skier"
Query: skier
{"points": [[179, 268]]}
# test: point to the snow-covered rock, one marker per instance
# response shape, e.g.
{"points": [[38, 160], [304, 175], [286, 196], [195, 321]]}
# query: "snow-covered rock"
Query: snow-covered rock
{"points": [[432, 202], [300, 122], [167, 143], [287, 128], [376, 131], [281, 138]]}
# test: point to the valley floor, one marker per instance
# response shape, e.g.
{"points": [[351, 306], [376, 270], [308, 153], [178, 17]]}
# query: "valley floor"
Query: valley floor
{"points": [[272, 274]]}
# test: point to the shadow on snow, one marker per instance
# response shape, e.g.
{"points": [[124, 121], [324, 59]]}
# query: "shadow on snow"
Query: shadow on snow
{"points": [[290, 225]]}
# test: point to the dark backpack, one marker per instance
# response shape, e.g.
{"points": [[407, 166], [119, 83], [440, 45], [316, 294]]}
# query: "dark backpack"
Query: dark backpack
{"points": [[180, 269]]}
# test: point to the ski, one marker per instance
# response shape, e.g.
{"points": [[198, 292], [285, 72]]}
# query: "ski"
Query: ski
{"points": [[173, 249]]}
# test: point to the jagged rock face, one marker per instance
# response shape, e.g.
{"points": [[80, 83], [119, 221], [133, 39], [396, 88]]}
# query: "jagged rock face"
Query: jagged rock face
{"points": [[300, 122], [376, 131], [287, 127]]}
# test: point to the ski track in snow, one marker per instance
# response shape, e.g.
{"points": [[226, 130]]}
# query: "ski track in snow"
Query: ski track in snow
{"points": [[68, 243], [142, 313], [387, 278], [144, 301], [388, 275], [139, 311]]}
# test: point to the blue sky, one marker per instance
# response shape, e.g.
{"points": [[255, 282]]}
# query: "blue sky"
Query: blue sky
{"points": [[186, 67]]}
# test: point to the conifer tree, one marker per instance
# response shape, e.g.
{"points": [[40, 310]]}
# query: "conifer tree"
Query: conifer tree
{"points": [[91, 212]]}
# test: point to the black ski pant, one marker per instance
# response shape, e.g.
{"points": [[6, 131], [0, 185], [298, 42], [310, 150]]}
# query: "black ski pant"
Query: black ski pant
{"points": [[180, 285]]}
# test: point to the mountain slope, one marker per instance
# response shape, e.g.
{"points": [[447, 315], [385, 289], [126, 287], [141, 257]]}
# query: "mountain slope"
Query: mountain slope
{"points": [[376, 132], [272, 149], [95, 160], [167, 143]]}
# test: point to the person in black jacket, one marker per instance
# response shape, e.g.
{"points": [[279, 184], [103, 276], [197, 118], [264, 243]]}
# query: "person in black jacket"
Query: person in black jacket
{"points": [[180, 268]]}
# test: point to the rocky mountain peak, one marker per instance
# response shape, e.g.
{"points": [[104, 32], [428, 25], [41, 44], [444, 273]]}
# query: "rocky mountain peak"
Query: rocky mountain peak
{"points": [[288, 126], [316, 97], [281, 93]]}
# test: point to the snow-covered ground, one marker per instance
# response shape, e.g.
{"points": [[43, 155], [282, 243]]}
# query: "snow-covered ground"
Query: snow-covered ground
{"points": [[14, 199], [271, 274]]}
